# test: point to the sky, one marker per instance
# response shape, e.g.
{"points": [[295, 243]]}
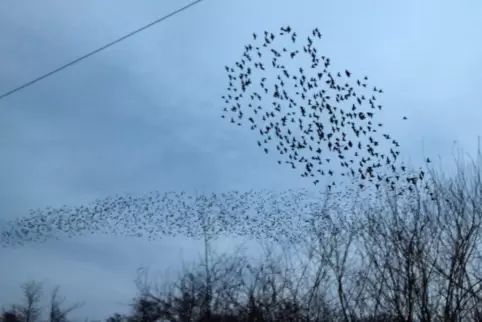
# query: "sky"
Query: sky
{"points": [[144, 114]]}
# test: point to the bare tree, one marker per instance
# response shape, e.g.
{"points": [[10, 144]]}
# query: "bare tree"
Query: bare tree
{"points": [[30, 310], [422, 252], [185, 299], [58, 313]]}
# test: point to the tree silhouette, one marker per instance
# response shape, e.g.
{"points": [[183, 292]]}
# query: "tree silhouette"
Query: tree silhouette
{"points": [[31, 307], [57, 312], [30, 310]]}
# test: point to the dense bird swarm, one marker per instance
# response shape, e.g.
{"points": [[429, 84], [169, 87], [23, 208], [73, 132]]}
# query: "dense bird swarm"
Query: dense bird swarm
{"points": [[316, 118], [313, 117], [255, 214]]}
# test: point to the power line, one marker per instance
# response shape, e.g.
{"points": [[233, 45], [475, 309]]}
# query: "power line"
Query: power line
{"points": [[118, 40]]}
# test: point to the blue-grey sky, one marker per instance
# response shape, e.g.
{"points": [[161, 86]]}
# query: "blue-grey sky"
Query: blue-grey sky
{"points": [[145, 114]]}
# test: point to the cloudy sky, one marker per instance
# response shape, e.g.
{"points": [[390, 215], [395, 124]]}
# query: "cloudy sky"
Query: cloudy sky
{"points": [[145, 114]]}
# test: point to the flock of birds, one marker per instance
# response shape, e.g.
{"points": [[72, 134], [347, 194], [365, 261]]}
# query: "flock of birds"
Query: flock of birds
{"points": [[313, 115], [312, 118], [260, 215]]}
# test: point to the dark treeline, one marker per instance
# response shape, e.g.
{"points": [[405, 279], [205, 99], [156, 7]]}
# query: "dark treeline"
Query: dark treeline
{"points": [[416, 258]]}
